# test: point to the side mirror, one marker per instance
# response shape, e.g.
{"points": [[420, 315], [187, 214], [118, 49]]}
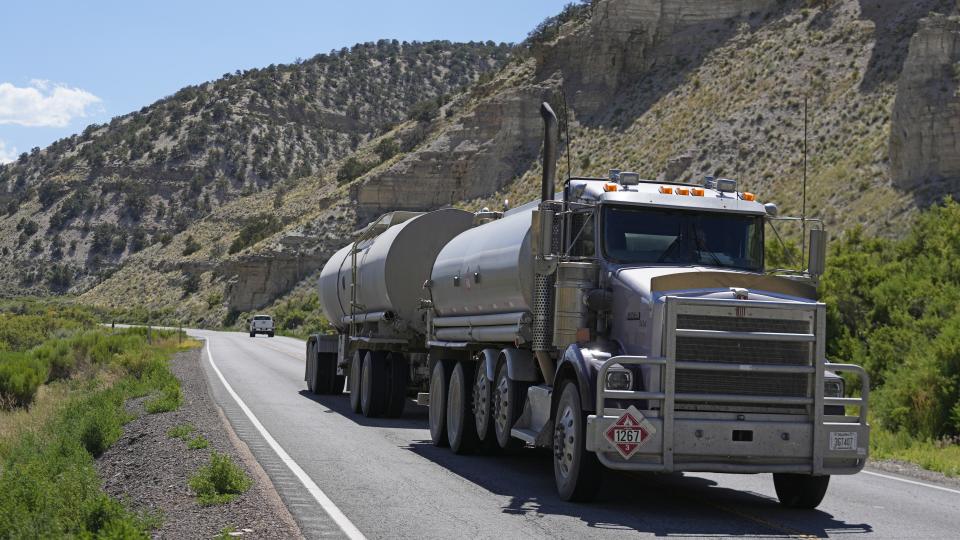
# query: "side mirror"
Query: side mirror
{"points": [[817, 258]]}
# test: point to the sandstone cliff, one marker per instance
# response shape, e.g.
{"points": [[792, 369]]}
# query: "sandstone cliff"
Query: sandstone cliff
{"points": [[925, 135]]}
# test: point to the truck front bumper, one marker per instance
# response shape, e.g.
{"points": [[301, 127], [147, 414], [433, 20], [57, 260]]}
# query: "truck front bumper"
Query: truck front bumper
{"points": [[680, 440]]}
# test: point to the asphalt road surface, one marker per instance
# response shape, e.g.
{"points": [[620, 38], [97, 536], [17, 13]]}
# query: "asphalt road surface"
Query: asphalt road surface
{"points": [[345, 475]]}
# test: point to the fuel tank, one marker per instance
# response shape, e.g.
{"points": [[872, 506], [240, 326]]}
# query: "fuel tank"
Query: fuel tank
{"points": [[486, 269], [391, 267]]}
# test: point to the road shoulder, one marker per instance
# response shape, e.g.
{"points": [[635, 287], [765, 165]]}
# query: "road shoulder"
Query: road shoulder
{"points": [[151, 470]]}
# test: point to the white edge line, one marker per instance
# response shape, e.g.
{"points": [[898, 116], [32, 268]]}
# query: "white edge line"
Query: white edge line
{"points": [[914, 482], [335, 513]]}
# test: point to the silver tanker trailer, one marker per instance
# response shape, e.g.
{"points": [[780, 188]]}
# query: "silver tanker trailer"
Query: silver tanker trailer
{"points": [[625, 324]]}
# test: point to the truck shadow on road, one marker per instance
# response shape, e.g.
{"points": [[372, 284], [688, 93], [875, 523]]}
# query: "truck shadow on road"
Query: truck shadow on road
{"points": [[414, 416], [663, 505]]}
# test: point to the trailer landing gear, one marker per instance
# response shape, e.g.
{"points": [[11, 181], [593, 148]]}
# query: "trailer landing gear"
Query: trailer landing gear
{"points": [[800, 490]]}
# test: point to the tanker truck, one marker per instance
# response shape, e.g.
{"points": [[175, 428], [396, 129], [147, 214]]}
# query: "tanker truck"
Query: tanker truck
{"points": [[625, 324]]}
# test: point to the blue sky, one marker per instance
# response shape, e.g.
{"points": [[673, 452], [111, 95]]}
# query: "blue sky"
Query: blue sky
{"points": [[66, 64]]}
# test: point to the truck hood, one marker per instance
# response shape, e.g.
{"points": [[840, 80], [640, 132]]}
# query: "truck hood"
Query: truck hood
{"points": [[653, 283]]}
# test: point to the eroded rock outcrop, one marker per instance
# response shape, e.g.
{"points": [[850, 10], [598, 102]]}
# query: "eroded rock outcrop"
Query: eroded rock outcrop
{"points": [[925, 127], [493, 144], [618, 45]]}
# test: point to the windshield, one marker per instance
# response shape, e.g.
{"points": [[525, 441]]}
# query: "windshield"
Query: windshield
{"points": [[262, 318], [660, 236]]}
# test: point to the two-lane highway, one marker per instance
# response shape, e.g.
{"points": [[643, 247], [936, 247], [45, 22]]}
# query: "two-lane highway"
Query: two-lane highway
{"points": [[343, 474]]}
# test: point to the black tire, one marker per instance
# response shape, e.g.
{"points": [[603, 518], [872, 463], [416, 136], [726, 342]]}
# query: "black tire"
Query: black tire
{"points": [[269, 334], [800, 490], [507, 405], [253, 334], [399, 375], [439, 383], [375, 380], [577, 472], [483, 407], [326, 374], [311, 370], [356, 372], [461, 431]]}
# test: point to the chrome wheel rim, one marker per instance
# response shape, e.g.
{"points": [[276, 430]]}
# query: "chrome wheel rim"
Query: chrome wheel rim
{"points": [[481, 402], [564, 439], [435, 415], [454, 404], [502, 404]]}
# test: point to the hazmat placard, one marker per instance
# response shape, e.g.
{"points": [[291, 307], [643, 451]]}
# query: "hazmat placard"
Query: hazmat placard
{"points": [[631, 431]]}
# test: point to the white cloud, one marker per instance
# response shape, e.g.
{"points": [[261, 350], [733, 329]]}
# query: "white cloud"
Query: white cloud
{"points": [[43, 103], [6, 156]]}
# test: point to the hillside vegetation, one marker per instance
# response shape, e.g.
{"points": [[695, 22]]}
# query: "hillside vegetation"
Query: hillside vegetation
{"points": [[63, 385], [87, 202]]}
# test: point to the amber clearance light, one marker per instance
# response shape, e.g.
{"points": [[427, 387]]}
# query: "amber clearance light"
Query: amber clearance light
{"points": [[666, 190], [747, 196], [697, 192], [610, 187], [683, 191]]}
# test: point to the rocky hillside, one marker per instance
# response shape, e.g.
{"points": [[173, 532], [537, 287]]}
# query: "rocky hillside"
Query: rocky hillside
{"points": [[87, 202], [675, 89]]}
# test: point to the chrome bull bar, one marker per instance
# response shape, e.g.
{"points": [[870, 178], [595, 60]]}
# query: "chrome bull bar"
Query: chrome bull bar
{"points": [[813, 443]]}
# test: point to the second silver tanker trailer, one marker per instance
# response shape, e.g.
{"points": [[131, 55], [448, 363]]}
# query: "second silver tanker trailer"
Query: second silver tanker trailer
{"points": [[623, 323]]}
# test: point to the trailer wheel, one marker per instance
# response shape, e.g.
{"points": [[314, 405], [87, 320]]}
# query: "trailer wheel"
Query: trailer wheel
{"points": [[375, 382], [399, 375], [439, 383], [253, 334], [483, 407], [800, 490], [356, 371], [325, 374], [461, 431], [507, 406], [576, 471]]}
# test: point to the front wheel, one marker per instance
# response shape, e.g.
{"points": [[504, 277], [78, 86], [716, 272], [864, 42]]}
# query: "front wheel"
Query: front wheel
{"points": [[800, 490], [253, 334], [576, 471]]}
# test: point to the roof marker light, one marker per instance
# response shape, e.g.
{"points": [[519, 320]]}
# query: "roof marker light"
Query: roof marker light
{"points": [[610, 186], [683, 191], [697, 192], [747, 196], [666, 190]]}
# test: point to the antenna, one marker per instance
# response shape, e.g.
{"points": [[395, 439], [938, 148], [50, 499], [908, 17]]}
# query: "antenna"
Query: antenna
{"points": [[566, 129], [803, 212]]}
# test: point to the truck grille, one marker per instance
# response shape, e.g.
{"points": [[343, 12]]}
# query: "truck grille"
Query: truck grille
{"points": [[733, 351]]}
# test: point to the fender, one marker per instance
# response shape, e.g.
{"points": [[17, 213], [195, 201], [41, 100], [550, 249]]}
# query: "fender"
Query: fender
{"points": [[521, 365], [584, 363], [489, 358]]}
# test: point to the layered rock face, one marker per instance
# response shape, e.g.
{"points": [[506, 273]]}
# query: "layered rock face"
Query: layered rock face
{"points": [[487, 148], [620, 43], [925, 126]]}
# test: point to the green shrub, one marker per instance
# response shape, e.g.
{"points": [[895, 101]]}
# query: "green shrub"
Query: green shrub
{"points": [[254, 229], [198, 443], [352, 169], [220, 481], [190, 246], [169, 400], [20, 377], [181, 432]]}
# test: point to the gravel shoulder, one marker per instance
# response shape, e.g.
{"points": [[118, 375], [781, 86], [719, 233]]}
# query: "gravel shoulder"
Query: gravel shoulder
{"points": [[150, 471]]}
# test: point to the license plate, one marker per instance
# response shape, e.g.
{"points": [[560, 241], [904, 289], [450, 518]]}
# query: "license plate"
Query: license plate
{"points": [[843, 440]]}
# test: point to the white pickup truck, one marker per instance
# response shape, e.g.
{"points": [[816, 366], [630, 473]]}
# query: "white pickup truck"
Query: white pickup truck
{"points": [[261, 324]]}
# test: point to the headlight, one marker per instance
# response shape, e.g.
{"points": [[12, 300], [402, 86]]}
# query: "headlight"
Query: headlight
{"points": [[619, 379], [833, 388]]}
